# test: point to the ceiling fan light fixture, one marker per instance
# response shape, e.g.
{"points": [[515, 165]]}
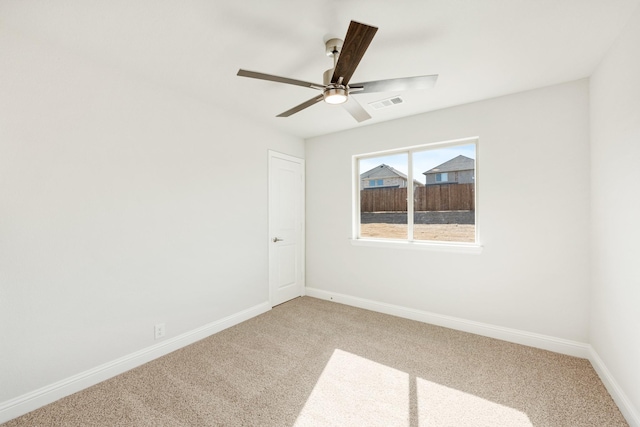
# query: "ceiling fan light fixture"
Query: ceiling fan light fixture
{"points": [[335, 95]]}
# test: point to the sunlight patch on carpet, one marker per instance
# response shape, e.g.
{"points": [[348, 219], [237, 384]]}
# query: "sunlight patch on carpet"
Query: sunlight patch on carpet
{"points": [[355, 391], [439, 405]]}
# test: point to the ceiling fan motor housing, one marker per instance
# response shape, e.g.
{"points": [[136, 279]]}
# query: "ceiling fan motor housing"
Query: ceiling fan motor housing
{"points": [[334, 93], [326, 77]]}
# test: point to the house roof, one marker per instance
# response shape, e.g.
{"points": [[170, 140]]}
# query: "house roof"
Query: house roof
{"points": [[382, 171], [459, 163]]}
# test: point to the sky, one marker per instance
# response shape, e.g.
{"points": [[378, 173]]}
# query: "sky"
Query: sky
{"points": [[422, 161]]}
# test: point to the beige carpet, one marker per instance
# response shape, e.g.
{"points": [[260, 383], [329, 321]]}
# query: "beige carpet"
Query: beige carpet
{"points": [[310, 362]]}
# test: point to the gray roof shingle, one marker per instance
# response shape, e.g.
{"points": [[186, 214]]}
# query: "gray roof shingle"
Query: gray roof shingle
{"points": [[382, 170], [459, 163]]}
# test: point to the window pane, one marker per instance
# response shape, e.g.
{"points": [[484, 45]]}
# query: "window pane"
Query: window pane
{"points": [[444, 195], [383, 207]]}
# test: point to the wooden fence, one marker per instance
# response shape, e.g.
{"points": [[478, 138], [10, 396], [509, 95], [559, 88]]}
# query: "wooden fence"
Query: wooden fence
{"points": [[442, 197]]}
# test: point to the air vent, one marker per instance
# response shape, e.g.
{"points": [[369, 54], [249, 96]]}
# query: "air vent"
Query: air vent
{"points": [[388, 102]]}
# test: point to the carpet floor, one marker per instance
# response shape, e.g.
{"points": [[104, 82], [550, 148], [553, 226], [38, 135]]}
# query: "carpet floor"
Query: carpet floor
{"points": [[310, 362]]}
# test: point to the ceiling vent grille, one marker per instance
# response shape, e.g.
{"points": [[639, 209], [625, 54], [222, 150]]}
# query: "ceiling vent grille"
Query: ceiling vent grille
{"points": [[387, 102]]}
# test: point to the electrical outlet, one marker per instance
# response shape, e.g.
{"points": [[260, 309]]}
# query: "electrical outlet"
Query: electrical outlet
{"points": [[159, 330]]}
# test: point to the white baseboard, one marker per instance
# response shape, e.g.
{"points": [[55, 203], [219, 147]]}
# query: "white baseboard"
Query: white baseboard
{"points": [[545, 342], [630, 413], [28, 402]]}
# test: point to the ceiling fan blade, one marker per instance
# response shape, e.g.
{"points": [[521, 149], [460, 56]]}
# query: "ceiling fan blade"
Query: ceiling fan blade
{"points": [[355, 44], [404, 83], [356, 110], [302, 106], [278, 79]]}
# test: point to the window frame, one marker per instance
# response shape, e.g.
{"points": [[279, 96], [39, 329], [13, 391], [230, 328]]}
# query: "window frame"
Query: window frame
{"points": [[441, 175], [446, 246], [373, 183]]}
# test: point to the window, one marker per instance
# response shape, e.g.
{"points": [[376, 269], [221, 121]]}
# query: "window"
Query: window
{"points": [[442, 177], [433, 209]]}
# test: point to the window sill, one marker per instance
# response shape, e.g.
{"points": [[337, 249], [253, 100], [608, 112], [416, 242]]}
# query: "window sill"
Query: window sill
{"points": [[466, 248]]}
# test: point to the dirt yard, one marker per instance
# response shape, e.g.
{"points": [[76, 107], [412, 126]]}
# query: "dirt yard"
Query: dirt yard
{"points": [[439, 232]]}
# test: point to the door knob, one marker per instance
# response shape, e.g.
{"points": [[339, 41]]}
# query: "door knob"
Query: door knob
{"points": [[275, 240]]}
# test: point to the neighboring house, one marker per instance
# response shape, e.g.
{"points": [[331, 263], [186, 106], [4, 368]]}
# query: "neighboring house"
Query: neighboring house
{"points": [[384, 176], [459, 170]]}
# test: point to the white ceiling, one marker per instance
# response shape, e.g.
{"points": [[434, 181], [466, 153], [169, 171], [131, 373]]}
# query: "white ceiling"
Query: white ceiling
{"points": [[479, 48]]}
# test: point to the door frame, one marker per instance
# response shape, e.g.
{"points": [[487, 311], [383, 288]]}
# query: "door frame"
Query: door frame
{"points": [[271, 227]]}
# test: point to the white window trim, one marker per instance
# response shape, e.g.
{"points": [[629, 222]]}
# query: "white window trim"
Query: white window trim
{"points": [[467, 248], [459, 247]]}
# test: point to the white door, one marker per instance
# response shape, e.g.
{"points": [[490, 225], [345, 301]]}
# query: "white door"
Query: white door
{"points": [[286, 227]]}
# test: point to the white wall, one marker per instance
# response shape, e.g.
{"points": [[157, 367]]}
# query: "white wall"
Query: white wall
{"points": [[534, 216], [122, 205], [615, 182]]}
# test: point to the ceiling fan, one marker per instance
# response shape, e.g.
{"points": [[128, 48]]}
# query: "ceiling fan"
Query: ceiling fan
{"points": [[336, 88]]}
